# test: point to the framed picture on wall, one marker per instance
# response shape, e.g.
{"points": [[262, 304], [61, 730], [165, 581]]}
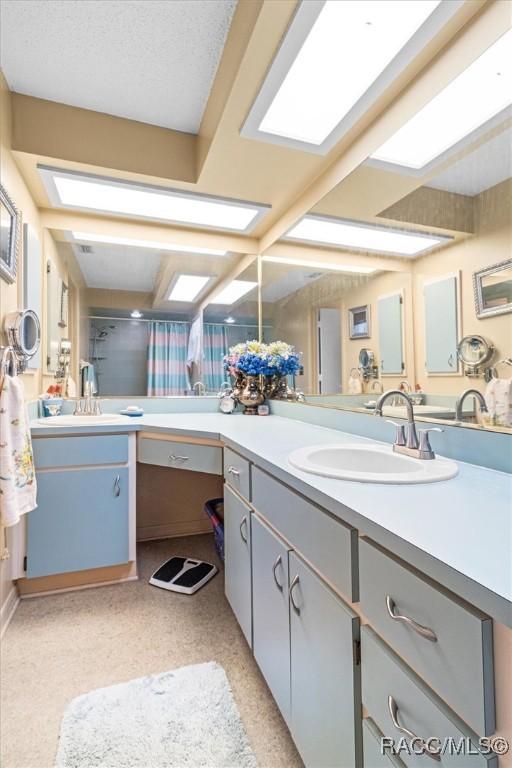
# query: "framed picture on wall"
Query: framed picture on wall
{"points": [[10, 236], [493, 290], [359, 322]]}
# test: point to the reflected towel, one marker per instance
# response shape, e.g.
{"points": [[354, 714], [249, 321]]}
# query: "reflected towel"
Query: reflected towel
{"points": [[17, 473], [490, 401], [503, 403], [355, 385], [194, 343]]}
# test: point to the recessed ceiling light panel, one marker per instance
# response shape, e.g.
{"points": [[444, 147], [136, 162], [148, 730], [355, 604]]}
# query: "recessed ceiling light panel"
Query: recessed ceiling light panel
{"points": [[363, 237], [234, 291], [480, 93], [188, 287], [81, 191], [336, 59], [150, 244]]}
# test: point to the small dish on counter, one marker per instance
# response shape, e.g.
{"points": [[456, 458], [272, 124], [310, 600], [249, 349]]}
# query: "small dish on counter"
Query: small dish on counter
{"points": [[132, 411]]}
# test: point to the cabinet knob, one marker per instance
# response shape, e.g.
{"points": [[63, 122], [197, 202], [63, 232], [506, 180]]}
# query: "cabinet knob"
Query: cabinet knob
{"points": [[117, 486], [172, 457], [233, 471]]}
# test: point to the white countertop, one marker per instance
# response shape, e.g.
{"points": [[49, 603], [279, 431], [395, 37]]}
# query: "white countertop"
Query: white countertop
{"points": [[464, 523]]}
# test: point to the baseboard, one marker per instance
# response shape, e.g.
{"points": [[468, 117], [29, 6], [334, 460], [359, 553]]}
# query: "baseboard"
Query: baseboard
{"points": [[173, 530], [8, 608], [67, 582], [29, 595]]}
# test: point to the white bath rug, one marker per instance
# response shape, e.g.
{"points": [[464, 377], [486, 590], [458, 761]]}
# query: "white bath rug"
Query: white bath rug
{"points": [[186, 718]]}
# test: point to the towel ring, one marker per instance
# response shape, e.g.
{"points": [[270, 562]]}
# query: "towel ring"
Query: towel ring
{"points": [[504, 361], [8, 360]]}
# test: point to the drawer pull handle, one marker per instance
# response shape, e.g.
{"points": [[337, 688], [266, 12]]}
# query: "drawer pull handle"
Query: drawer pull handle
{"points": [[242, 525], [393, 711], [233, 471], [425, 632], [172, 457], [277, 563], [117, 486], [290, 594]]}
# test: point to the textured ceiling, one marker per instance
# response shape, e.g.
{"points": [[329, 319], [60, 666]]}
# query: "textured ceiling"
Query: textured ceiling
{"points": [[148, 60], [119, 268], [487, 166]]}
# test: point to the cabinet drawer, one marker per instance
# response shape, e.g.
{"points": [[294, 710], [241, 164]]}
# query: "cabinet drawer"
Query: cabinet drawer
{"points": [[237, 472], [386, 679], [328, 544], [463, 635], [374, 754], [167, 453], [80, 451]]}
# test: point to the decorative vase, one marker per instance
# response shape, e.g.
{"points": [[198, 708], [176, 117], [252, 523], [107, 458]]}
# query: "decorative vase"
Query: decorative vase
{"points": [[238, 385], [251, 395], [276, 387]]}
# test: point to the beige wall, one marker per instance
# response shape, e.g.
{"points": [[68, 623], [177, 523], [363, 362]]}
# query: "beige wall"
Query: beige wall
{"points": [[491, 244]]}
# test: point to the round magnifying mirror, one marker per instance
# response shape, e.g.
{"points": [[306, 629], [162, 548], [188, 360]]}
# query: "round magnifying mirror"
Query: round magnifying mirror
{"points": [[474, 350], [23, 331], [366, 357]]}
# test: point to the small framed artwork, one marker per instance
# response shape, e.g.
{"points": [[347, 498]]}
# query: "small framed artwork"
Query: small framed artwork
{"points": [[359, 322], [493, 289], [10, 236]]}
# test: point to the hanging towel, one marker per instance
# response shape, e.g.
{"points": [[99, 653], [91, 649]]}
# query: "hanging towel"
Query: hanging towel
{"points": [[17, 473], [194, 343], [355, 385], [503, 402], [490, 401]]}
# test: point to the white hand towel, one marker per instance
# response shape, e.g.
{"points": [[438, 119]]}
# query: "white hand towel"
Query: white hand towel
{"points": [[503, 402], [194, 343], [355, 385], [490, 401], [17, 474]]}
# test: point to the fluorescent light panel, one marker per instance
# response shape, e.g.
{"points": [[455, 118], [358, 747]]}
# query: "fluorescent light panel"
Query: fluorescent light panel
{"points": [[347, 48], [82, 191], [188, 287], [319, 265], [234, 291], [153, 244], [478, 94], [348, 234]]}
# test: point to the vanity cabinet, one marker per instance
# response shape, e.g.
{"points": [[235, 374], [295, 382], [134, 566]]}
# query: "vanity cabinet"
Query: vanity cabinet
{"points": [[81, 521], [237, 547], [85, 515], [325, 681], [271, 626]]}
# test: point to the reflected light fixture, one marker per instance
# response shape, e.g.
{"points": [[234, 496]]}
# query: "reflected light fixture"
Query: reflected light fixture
{"points": [[69, 189], [335, 60], [234, 291], [136, 314], [478, 94], [153, 244], [323, 265], [230, 320], [188, 287], [363, 237]]}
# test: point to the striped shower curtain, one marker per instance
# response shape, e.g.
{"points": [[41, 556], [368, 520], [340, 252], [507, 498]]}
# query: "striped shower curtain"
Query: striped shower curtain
{"points": [[167, 358], [215, 346]]}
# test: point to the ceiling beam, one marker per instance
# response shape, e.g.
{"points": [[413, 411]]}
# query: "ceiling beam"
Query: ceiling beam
{"points": [[336, 256], [54, 130], [58, 219], [240, 266]]}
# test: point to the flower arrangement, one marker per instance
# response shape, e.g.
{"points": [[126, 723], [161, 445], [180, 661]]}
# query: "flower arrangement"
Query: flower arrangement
{"points": [[255, 358]]}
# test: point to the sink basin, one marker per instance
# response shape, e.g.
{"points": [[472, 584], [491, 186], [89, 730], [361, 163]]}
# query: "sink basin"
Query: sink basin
{"points": [[370, 464], [81, 421]]}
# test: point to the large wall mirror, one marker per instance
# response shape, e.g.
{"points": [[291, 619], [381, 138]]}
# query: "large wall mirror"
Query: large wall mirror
{"points": [[384, 281]]}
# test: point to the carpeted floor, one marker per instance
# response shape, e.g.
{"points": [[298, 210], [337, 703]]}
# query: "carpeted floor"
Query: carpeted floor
{"points": [[62, 646]]}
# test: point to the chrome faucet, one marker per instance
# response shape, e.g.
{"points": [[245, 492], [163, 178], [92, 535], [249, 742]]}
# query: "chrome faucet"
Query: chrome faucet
{"points": [[407, 442], [199, 388], [460, 402]]}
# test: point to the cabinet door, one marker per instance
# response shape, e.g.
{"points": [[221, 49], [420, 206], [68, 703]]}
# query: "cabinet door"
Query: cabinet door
{"points": [[325, 681], [391, 346], [237, 550], [441, 331], [81, 521], [271, 627]]}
